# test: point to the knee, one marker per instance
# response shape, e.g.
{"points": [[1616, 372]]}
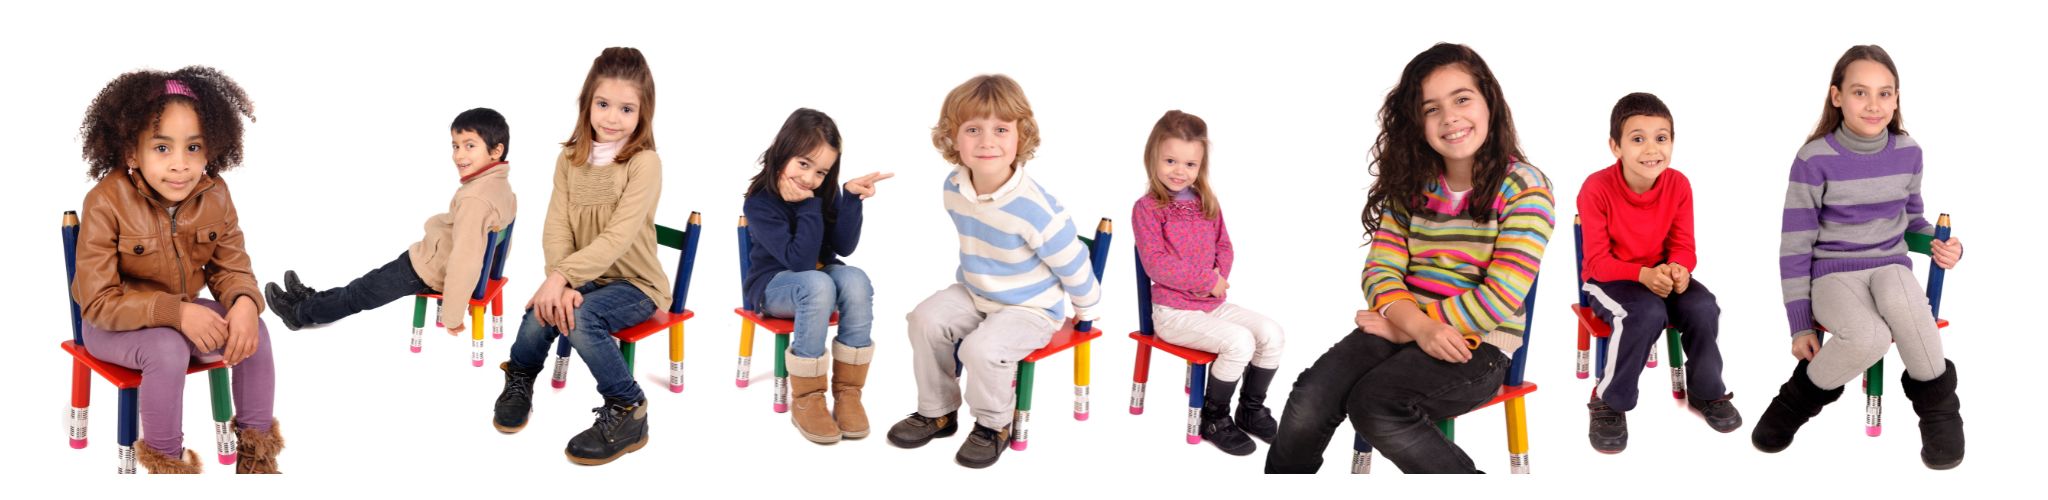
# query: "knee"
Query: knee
{"points": [[976, 352], [167, 349], [1269, 337], [853, 284], [815, 288], [1646, 312]]}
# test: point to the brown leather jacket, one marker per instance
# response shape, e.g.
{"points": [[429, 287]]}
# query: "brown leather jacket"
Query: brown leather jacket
{"points": [[137, 264]]}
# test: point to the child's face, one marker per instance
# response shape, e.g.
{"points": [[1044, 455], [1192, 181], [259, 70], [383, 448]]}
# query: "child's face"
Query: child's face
{"points": [[987, 144], [1178, 164], [1644, 150], [470, 152], [172, 158], [1868, 96], [1454, 116], [807, 171], [614, 110]]}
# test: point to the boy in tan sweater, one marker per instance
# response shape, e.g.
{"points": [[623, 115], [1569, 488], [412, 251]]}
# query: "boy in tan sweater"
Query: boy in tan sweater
{"points": [[449, 257]]}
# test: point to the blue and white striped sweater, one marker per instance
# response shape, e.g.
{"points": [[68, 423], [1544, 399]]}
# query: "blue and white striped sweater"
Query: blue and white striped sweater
{"points": [[1018, 248]]}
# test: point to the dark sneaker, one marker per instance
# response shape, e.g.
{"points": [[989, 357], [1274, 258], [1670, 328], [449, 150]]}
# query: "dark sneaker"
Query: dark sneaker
{"points": [[1720, 413], [1609, 429], [983, 447], [621, 428], [283, 304], [916, 430], [516, 401], [293, 285]]}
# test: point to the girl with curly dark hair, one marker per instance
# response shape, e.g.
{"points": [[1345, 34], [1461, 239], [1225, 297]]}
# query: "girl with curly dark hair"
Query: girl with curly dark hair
{"points": [[159, 225]]}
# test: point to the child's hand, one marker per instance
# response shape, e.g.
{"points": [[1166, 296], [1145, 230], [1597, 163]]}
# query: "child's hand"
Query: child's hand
{"points": [[1805, 346], [1946, 253], [1445, 343], [1680, 277], [1220, 287], [206, 329], [544, 303], [455, 328], [571, 300], [864, 186], [793, 192], [242, 338], [1656, 280], [1372, 322]]}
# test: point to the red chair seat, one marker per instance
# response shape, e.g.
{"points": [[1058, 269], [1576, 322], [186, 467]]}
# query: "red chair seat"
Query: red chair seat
{"points": [[495, 287], [1063, 339], [654, 324], [1590, 322], [1508, 392], [781, 326], [1191, 355], [120, 376]]}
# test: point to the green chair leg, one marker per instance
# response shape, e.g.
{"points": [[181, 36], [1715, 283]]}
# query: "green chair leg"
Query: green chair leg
{"points": [[223, 415]]}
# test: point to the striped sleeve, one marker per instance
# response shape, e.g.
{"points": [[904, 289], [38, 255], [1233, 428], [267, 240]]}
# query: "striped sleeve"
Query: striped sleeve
{"points": [[1059, 246], [1800, 232], [1526, 222], [1386, 265]]}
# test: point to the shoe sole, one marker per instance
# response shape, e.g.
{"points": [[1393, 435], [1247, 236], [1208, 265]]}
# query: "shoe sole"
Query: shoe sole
{"points": [[508, 430], [815, 438], [853, 435], [605, 460], [921, 442], [982, 465]]}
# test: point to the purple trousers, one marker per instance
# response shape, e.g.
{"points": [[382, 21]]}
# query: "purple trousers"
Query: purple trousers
{"points": [[162, 354]]}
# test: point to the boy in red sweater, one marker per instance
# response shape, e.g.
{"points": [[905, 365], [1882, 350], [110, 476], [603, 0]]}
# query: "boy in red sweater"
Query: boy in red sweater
{"points": [[1637, 221]]}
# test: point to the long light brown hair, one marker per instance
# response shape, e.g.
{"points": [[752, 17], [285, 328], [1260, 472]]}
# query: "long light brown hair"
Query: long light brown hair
{"points": [[627, 65], [1186, 127], [1831, 115]]}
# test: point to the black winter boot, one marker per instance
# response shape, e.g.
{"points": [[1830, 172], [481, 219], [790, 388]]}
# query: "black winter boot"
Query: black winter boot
{"points": [[1252, 415], [516, 401], [1217, 427], [1941, 420], [1798, 401], [621, 428]]}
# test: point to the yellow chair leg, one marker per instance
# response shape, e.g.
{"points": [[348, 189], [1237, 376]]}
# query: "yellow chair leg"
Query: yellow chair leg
{"points": [[1518, 436], [1081, 368], [746, 371], [476, 335], [675, 358]]}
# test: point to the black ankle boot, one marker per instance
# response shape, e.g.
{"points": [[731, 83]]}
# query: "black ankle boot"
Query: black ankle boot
{"points": [[1798, 401], [284, 304], [621, 428], [1252, 415], [1941, 420], [516, 401], [293, 285], [1217, 427]]}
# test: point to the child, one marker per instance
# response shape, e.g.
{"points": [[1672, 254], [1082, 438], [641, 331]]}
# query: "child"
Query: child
{"points": [[1019, 263], [1186, 249], [602, 273], [1638, 262], [1854, 193], [157, 227], [449, 257], [1458, 224], [801, 223]]}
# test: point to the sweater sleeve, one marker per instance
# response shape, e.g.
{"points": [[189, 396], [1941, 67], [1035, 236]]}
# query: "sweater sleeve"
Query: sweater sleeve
{"points": [[1165, 266], [846, 227], [1384, 279], [1679, 246], [1596, 243], [1225, 254], [228, 271], [793, 243], [1800, 232], [1517, 254], [1061, 250], [557, 239], [1916, 209], [465, 259], [632, 220]]}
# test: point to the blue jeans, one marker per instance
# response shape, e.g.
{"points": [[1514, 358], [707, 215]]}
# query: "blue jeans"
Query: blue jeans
{"points": [[810, 297], [392, 281], [606, 309]]}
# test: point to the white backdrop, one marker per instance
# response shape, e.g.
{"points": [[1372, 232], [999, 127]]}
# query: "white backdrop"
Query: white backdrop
{"points": [[349, 154]]}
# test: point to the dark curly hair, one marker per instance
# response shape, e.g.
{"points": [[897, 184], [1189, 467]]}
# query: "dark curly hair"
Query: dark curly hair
{"points": [[130, 105], [1403, 164]]}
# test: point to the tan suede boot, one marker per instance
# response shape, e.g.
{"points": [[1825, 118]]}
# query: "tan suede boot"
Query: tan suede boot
{"points": [[849, 375], [257, 451], [807, 399], [158, 463]]}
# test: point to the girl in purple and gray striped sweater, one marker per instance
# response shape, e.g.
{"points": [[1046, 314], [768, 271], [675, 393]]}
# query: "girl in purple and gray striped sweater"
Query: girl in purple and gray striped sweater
{"points": [[1853, 197]]}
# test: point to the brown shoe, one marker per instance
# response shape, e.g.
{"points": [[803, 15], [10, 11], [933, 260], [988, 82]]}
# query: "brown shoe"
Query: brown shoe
{"points": [[849, 375], [257, 452], [807, 399], [157, 463]]}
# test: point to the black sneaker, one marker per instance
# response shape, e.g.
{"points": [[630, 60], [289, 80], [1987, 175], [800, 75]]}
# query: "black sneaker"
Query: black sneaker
{"points": [[983, 447], [1720, 413], [516, 401], [916, 430], [621, 428], [1609, 429], [293, 285], [283, 304]]}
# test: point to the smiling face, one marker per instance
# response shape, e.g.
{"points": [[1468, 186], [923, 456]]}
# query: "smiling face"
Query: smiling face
{"points": [[987, 145], [470, 152], [807, 171], [614, 110], [1454, 116], [1868, 97], [1178, 163], [172, 157], [1644, 150]]}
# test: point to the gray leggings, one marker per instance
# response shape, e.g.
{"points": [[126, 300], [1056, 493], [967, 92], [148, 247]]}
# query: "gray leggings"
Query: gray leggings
{"points": [[1867, 312]]}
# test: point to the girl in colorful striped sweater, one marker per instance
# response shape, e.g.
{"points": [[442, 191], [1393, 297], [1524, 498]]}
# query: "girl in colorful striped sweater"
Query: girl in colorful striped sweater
{"points": [[1458, 225], [1853, 196], [1185, 248]]}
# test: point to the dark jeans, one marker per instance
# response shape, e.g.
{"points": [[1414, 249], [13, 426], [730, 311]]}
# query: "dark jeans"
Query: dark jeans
{"points": [[396, 280], [1393, 394], [1643, 316], [606, 309]]}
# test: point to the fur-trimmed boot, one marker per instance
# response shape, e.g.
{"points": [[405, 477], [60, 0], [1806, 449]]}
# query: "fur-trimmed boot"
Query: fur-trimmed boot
{"points": [[1798, 401], [258, 450], [1941, 418], [849, 376], [807, 409], [158, 463]]}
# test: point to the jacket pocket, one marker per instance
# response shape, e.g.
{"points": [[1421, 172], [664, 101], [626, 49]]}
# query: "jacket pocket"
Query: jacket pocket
{"points": [[144, 257]]}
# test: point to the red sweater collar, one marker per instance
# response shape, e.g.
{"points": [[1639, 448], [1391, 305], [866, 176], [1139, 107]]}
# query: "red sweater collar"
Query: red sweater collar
{"points": [[480, 173]]}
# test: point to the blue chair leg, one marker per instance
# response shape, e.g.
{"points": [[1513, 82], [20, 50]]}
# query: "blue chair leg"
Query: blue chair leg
{"points": [[1361, 454], [1198, 379], [128, 431], [561, 378]]}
